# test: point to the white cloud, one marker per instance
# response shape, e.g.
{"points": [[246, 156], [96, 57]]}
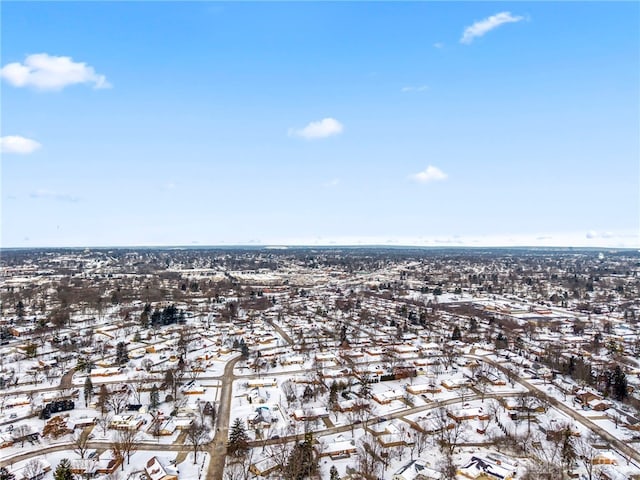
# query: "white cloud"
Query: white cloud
{"points": [[430, 174], [324, 128], [331, 183], [48, 194], [18, 144], [479, 28], [438, 45], [49, 72], [592, 234], [420, 88]]}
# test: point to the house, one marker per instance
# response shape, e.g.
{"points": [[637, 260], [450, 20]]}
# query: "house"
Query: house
{"points": [[416, 470], [293, 360], [80, 422], [5, 441], [126, 422], [454, 383], [351, 405], [389, 440], [339, 448], [423, 388], [163, 427], [604, 458], [311, 413], [182, 423], [105, 372], [468, 414], [107, 465], [388, 396], [17, 401], [258, 395], [156, 469], [262, 382], [484, 469], [263, 418], [264, 467], [87, 467], [193, 389]]}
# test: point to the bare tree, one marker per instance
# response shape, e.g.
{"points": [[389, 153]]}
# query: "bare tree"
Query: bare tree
{"points": [[138, 384], [197, 434], [547, 457], [586, 454], [34, 468], [527, 403], [450, 432], [446, 467], [369, 457], [237, 468], [125, 443], [421, 437], [81, 443], [103, 421], [280, 452], [118, 402]]}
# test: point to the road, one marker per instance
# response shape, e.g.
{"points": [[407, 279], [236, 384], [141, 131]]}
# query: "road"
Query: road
{"points": [[622, 447], [92, 445], [218, 447], [280, 331], [66, 381]]}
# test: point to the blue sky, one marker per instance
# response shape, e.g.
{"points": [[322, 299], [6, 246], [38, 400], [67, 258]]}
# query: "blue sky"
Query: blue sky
{"points": [[318, 123]]}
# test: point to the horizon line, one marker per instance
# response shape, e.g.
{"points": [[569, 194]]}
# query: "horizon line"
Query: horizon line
{"points": [[321, 246]]}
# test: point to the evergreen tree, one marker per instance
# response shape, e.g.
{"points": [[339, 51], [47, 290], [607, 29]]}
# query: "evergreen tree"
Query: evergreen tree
{"points": [[154, 397], [88, 390], [343, 335], [456, 335], [20, 310], [244, 349], [145, 316], [122, 356], [473, 325], [103, 399], [619, 384], [238, 439], [156, 317], [63, 471], [365, 386], [302, 462], [333, 472], [6, 474], [333, 393]]}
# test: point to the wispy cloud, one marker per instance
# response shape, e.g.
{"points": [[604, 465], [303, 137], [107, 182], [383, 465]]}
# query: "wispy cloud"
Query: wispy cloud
{"points": [[438, 45], [332, 183], [430, 174], [409, 89], [17, 144], [324, 128], [48, 194], [49, 72], [481, 27], [591, 234]]}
